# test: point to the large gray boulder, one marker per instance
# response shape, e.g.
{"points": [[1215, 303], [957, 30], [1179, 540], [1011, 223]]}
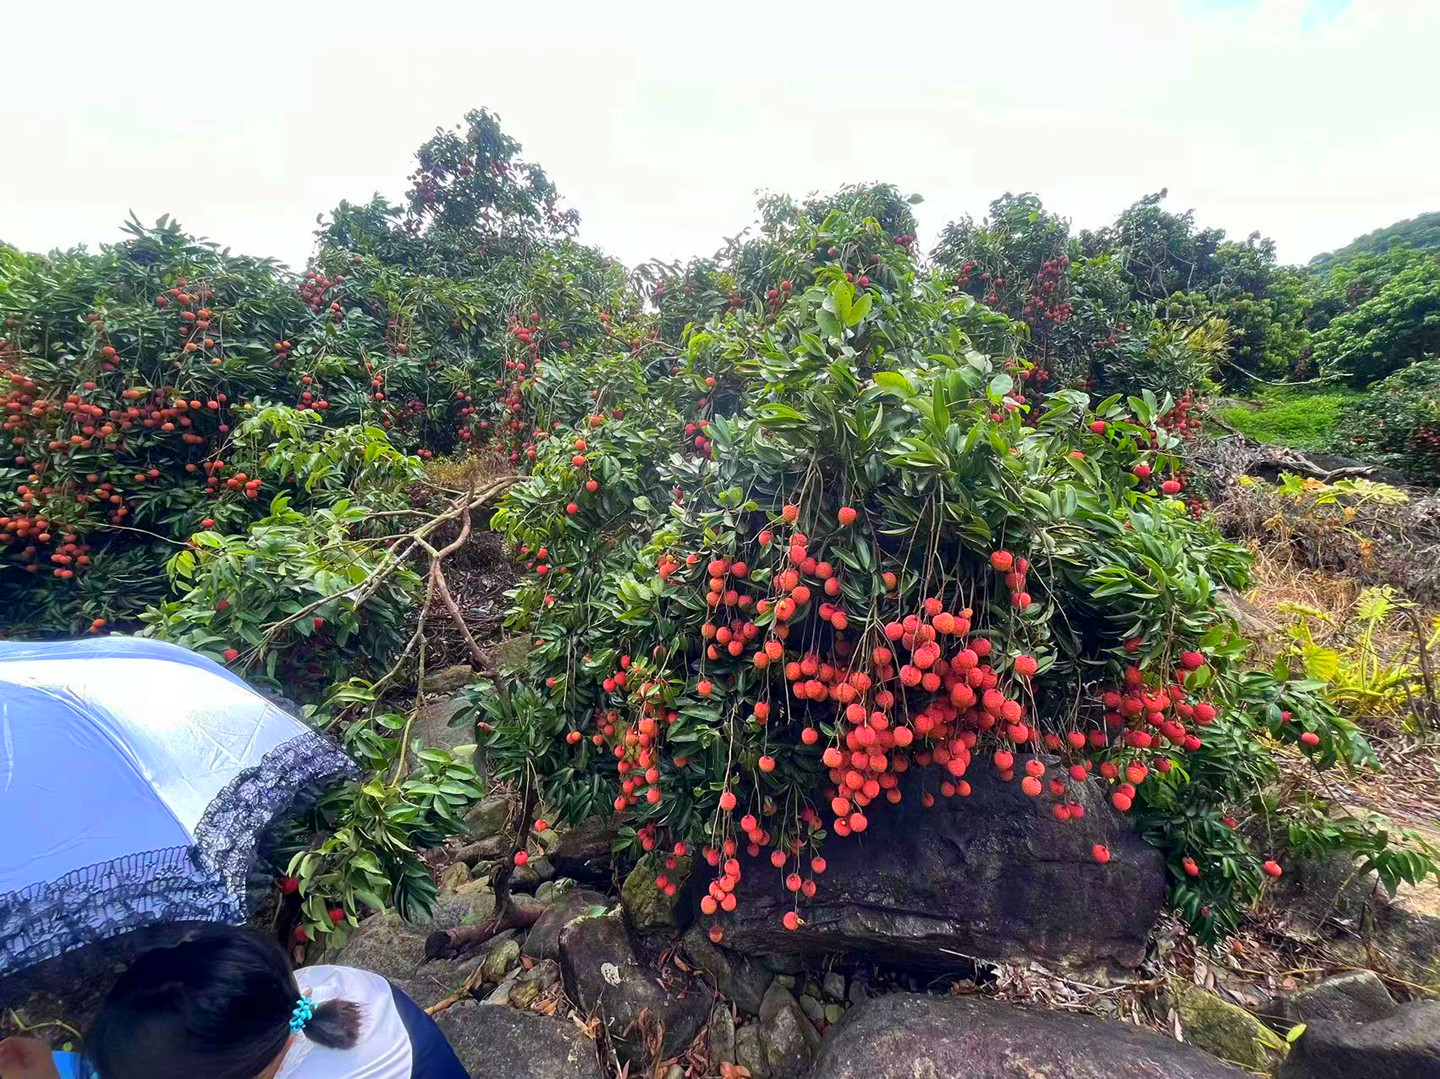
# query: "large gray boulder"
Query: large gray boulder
{"points": [[493, 1040], [543, 941], [584, 852], [908, 1036], [994, 875], [604, 975], [1356, 996], [1405, 1045]]}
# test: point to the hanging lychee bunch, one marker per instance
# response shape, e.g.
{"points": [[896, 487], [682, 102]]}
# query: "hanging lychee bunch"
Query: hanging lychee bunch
{"points": [[926, 688]]}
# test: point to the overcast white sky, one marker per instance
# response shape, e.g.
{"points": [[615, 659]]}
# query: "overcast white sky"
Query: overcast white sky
{"points": [[1311, 120]]}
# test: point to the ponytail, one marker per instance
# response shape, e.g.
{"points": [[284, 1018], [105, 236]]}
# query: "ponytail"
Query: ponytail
{"points": [[335, 1024]]}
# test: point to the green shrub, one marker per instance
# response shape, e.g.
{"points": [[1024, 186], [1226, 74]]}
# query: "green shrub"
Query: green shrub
{"points": [[287, 603], [1397, 423], [1395, 327], [371, 830]]}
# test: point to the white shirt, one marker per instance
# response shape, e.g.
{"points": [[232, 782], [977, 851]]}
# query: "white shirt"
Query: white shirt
{"points": [[383, 1049]]}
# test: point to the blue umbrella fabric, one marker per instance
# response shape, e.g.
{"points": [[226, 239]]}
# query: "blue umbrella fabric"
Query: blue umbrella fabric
{"points": [[136, 778]]}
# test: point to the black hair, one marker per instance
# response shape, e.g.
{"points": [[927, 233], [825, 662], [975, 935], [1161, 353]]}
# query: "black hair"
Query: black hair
{"points": [[217, 1007]]}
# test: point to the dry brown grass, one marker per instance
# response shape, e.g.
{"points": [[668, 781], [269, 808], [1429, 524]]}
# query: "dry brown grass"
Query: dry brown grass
{"points": [[474, 470]]}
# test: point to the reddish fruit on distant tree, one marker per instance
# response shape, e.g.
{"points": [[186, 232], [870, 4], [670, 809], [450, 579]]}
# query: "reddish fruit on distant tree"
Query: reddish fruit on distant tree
{"points": [[521, 858], [1100, 853], [791, 920], [1273, 868], [289, 885], [231, 655], [1098, 427], [1310, 738], [1171, 487], [1025, 666], [1002, 561], [337, 915], [727, 801], [847, 516]]}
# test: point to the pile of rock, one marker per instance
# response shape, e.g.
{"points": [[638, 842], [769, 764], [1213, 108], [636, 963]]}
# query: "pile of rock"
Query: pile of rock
{"points": [[604, 981]]}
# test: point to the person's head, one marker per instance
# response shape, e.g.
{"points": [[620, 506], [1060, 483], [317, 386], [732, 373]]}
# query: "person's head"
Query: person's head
{"points": [[218, 1007]]}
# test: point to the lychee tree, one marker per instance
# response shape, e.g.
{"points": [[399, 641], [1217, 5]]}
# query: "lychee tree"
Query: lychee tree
{"points": [[822, 542], [125, 375]]}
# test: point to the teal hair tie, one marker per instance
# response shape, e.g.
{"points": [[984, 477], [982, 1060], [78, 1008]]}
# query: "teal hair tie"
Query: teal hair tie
{"points": [[303, 1013]]}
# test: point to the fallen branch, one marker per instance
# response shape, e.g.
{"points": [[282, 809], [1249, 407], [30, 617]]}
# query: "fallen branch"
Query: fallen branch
{"points": [[485, 848], [448, 943], [476, 652], [395, 557]]}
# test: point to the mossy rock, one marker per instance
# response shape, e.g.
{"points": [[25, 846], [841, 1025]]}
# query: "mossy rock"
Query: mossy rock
{"points": [[650, 910], [499, 959], [488, 817], [513, 653], [1226, 1030]]}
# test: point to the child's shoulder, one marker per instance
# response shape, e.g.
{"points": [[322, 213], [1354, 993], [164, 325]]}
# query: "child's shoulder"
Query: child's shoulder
{"points": [[327, 982]]}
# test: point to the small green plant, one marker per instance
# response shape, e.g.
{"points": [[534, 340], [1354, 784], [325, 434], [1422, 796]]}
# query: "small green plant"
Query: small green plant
{"points": [[1337, 492], [1396, 855], [372, 830], [1363, 682]]}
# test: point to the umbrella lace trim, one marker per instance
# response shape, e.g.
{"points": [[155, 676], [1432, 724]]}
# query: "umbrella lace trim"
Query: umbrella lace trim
{"points": [[288, 779], [204, 882]]}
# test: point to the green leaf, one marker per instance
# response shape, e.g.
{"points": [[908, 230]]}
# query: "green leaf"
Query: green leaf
{"points": [[895, 382]]}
